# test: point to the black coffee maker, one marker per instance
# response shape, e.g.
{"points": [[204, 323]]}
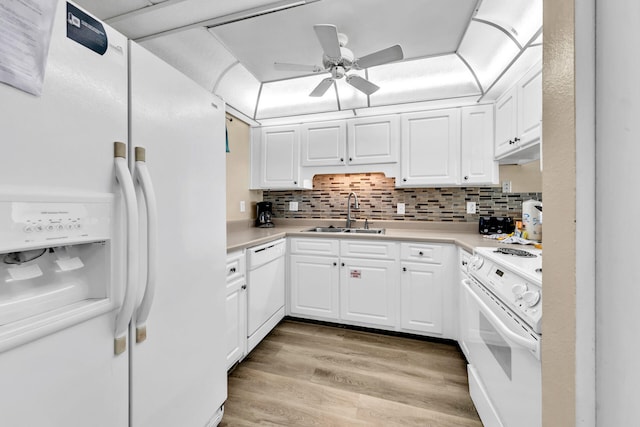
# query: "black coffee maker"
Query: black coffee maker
{"points": [[264, 215]]}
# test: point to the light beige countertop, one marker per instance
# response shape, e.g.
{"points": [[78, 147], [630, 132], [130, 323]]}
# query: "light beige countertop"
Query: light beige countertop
{"points": [[242, 234]]}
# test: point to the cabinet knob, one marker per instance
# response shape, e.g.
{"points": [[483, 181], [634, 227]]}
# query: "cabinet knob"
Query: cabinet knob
{"points": [[404, 179], [466, 178], [511, 141], [420, 253], [404, 268], [295, 182], [342, 264], [350, 159], [232, 270], [244, 287], [516, 140], [342, 159], [335, 263], [464, 263]]}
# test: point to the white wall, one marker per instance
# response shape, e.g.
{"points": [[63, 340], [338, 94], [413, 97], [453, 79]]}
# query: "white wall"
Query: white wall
{"points": [[618, 204]]}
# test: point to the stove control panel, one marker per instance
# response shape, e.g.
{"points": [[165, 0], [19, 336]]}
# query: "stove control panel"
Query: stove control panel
{"points": [[517, 292]]}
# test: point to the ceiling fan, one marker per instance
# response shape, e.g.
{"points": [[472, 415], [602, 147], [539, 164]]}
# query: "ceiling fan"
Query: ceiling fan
{"points": [[338, 60]]}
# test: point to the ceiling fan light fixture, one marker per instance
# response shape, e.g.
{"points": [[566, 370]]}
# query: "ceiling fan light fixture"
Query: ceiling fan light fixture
{"points": [[338, 72], [338, 60]]}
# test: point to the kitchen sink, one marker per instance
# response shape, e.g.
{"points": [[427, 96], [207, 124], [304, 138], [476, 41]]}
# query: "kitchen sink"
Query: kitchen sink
{"points": [[327, 229], [347, 230], [365, 230]]}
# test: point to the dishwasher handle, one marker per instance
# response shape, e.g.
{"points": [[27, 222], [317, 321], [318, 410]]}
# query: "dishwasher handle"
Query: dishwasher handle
{"points": [[261, 255]]}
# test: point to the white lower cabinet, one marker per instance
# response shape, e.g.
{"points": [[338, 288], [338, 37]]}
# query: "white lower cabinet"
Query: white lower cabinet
{"points": [[421, 297], [236, 308], [316, 288], [401, 286], [428, 289], [368, 290]]}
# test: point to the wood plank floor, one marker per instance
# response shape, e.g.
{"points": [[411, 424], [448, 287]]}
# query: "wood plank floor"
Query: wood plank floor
{"points": [[305, 374]]}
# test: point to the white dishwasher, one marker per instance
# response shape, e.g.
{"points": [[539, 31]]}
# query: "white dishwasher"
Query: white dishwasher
{"points": [[265, 289]]}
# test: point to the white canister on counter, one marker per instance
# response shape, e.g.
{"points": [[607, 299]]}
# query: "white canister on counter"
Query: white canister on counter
{"points": [[532, 220]]}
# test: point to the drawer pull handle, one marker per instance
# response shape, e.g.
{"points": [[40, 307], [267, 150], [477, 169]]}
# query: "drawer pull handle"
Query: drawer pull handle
{"points": [[420, 253], [243, 287], [232, 270], [404, 268]]}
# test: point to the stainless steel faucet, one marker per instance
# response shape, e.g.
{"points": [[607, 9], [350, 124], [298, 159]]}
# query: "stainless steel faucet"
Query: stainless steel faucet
{"points": [[355, 206]]}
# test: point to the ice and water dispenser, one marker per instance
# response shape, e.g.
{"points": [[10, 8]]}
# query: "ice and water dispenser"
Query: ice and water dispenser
{"points": [[55, 256]]}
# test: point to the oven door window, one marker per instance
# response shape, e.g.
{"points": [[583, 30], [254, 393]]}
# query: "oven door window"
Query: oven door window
{"points": [[499, 348]]}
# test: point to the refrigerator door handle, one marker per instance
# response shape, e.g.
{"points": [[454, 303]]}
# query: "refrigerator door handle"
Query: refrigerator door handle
{"points": [[144, 179], [125, 180]]}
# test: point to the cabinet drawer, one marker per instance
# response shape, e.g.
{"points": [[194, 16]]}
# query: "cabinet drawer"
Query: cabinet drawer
{"points": [[421, 252], [235, 266], [316, 246], [368, 249]]}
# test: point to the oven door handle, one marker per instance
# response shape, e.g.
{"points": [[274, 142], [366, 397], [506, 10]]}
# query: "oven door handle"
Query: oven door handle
{"points": [[530, 344]]}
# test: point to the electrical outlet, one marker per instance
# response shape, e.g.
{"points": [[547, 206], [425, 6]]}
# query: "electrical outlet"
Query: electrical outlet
{"points": [[243, 207], [471, 207], [293, 206], [506, 186], [400, 208]]}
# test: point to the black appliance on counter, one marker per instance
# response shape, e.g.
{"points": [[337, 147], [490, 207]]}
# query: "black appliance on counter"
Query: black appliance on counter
{"points": [[495, 225], [264, 215]]}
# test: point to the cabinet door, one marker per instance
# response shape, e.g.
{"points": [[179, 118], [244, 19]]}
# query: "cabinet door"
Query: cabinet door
{"points": [[430, 148], [477, 160], [280, 162], [324, 144], [314, 286], [530, 108], [236, 315], [373, 140], [422, 297], [368, 291], [506, 123]]}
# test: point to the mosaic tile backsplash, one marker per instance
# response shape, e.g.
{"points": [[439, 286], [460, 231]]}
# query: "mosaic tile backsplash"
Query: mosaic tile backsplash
{"points": [[378, 200]]}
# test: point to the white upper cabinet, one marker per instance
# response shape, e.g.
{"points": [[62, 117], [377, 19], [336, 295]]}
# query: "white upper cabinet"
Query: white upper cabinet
{"points": [[278, 156], [530, 107], [324, 144], [506, 122], [430, 148], [477, 161], [373, 140], [519, 120]]}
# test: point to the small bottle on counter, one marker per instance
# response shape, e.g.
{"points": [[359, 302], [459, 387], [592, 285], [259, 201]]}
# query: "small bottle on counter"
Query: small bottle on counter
{"points": [[519, 230]]}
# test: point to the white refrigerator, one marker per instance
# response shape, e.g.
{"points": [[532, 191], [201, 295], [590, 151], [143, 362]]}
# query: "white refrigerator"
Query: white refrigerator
{"points": [[111, 269]]}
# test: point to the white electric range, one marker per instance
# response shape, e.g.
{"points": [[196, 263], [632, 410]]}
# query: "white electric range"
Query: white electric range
{"points": [[501, 305]]}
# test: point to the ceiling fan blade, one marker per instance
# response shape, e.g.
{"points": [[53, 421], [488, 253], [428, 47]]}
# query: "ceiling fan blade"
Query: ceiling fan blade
{"points": [[390, 54], [283, 66], [362, 85], [322, 87], [328, 37]]}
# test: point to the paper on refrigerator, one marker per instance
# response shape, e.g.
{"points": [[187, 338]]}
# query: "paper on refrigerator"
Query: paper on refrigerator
{"points": [[25, 35]]}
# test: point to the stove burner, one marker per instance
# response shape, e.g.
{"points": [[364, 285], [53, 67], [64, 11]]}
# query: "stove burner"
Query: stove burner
{"points": [[515, 252]]}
